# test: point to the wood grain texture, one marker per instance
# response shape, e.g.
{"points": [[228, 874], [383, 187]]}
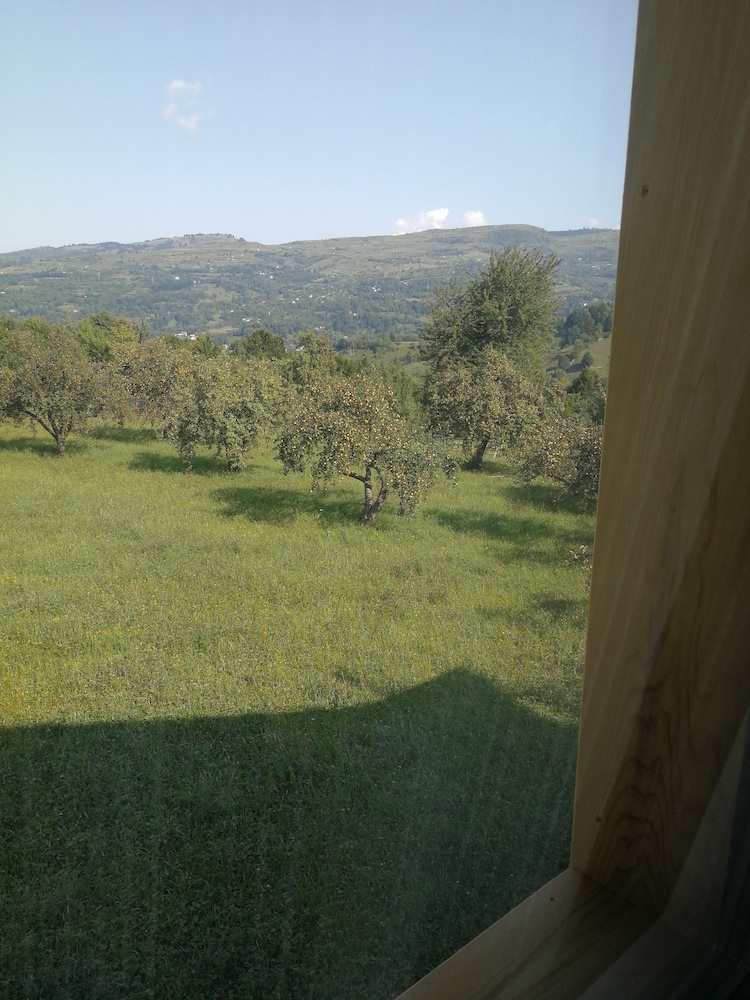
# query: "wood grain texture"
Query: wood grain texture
{"points": [[551, 947], [702, 901], [667, 678]]}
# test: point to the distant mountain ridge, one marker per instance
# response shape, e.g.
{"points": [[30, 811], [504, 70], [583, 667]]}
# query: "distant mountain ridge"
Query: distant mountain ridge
{"points": [[222, 285]]}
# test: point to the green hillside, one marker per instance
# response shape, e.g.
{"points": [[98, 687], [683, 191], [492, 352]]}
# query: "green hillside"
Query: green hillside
{"points": [[226, 286]]}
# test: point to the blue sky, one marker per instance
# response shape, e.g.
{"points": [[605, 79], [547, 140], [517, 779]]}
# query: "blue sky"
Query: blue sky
{"points": [[309, 119]]}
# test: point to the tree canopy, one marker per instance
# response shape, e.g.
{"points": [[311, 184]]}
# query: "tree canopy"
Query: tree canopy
{"points": [[47, 378], [586, 397], [340, 415], [510, 306], [103, 335], [586, 324], [350, 426], [485, 402], [566, 443], [225, 404], [485, 347], [146, 377], [261, 343]]}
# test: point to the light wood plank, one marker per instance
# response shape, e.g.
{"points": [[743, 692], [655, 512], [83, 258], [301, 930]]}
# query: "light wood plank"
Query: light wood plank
{"points": [[666, 681], [551, 947]]}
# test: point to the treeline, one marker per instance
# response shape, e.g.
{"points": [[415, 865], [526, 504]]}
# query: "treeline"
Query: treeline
{"points": [[230, 302], [586, 324], [484, 345]]}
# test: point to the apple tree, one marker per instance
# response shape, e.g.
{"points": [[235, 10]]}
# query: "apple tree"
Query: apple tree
{"points": [[226, 404], [484, 403], [349, 426], [47, 379]]}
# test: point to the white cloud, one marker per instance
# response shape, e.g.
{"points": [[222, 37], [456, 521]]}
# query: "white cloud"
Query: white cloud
{"points": [[433, 219], [474, 219], [593, 223], [185, 107]]}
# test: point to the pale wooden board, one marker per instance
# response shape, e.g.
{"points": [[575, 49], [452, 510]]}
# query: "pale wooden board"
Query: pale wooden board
{"points": [[550, 947], [666, 680]]}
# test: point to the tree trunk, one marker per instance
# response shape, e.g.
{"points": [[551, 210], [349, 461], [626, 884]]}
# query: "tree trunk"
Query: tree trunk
{"points": [[475, 462], [372, 507], [60, 438]]}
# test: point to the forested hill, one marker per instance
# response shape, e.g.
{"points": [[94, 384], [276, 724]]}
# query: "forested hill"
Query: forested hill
{"points": [[222, 285]]}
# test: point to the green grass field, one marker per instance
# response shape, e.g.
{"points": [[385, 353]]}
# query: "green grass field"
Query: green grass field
{"points": [[252, 748]]}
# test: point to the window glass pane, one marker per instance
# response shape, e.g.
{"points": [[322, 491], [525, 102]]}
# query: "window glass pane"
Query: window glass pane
{"points": [[252, 745]]}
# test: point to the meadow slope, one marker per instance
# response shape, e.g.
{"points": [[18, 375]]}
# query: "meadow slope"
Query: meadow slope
{"points": [[255, 748]]}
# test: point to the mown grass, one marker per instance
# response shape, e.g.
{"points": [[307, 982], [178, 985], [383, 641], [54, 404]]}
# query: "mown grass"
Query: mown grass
{"points": [[254, 748]]}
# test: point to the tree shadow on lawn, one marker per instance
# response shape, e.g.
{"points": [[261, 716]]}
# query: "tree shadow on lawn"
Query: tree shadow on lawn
{"points": [[522, 539], [546, 496], [331, 853], [202, 465], [126, 435], [541, 607], [498, 468], [280, 506], [560, 608], [41, 445]]}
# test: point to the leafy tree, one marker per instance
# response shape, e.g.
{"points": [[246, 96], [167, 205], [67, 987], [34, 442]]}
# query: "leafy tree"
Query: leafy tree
{"points": [[578, 326], [510, 306], [47, 378], [485, 346], [103, 335], [585, 450], [261, 343], [566, 448], [225, 404], [146, 377], [484, 402], [204, 346], [586, 397], [351, 427], [408, 393], [315, 358], [141, 330], [9, 340], [586, 324], [602, 313]]}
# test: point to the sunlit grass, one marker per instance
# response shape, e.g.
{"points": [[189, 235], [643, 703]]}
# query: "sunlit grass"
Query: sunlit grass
{"points": [[133, 593], [335, 744]]}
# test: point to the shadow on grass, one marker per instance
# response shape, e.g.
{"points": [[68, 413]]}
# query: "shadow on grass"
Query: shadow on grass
{"points": [[41, 445], [127, 435], [202, 465], [522, 538], [561, 608], [545, 496], [332, 853], [497, 467], [279, 506]]}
